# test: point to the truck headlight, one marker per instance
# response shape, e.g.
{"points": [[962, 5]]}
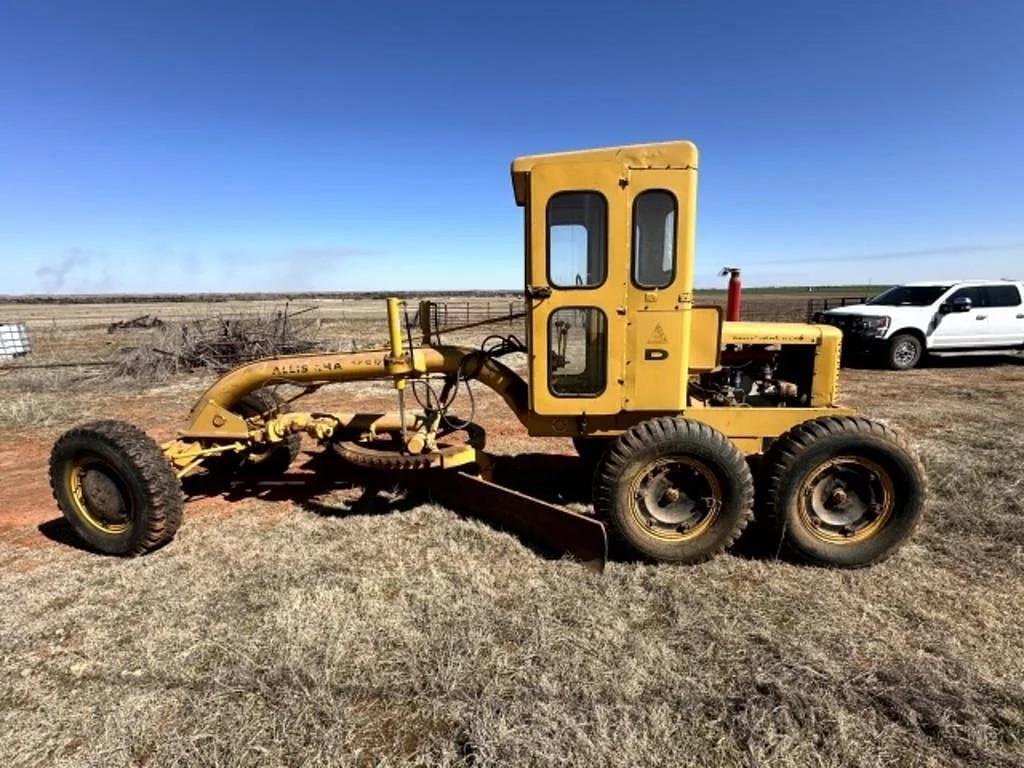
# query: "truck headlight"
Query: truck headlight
{"points": [[874, 326]]}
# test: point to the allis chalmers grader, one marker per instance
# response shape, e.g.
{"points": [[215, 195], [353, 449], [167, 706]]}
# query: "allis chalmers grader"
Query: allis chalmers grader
{"points": [[675, 409]]}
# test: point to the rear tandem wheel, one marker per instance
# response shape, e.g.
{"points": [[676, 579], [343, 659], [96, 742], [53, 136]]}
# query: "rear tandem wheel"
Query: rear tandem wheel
{"points": [[842, 491]]}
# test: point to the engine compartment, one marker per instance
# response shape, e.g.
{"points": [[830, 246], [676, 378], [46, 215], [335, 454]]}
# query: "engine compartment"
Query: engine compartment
{"points": [[757, 375]]}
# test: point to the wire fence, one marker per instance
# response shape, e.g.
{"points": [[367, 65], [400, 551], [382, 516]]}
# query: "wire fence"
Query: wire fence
{"points": [[103, 335], [814, 306]]}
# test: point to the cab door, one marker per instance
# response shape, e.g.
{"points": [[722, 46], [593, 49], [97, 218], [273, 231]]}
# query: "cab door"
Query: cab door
{"points": [[963, 329], [1005, 315], [660, 292], [575, 289]]}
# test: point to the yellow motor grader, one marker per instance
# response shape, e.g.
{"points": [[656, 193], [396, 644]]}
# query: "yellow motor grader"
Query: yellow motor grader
{"points": [[687, 420]]}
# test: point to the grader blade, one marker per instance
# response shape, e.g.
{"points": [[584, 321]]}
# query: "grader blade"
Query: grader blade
{"points": [[554, 528]]}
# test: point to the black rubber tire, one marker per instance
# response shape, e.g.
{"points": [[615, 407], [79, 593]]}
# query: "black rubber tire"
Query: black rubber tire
{"points": [[895, 356], [276, 460], [636, 450], [794, 456], [144, 477]]}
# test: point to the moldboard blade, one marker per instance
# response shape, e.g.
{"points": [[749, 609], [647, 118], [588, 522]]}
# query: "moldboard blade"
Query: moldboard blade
{"points": [[551, 527]]}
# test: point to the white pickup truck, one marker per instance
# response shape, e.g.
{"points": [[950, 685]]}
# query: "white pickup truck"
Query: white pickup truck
{"points": [[901, 325]]}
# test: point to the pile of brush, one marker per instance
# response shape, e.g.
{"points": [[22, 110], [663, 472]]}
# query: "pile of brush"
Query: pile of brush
{"points": [[142, 321], [219, 343]]}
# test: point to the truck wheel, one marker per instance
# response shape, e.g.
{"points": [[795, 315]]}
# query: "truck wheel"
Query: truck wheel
{"points": [[842, 491], [674, 490], [115, 488], [904, 352], [277, 459]]}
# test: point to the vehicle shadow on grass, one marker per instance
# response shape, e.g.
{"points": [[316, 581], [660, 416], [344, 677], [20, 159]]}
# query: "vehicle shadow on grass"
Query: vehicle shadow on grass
{"points": [[313, 478], [306, 485], [324, 485], [969, 360], [974, 361], [59, 531]]}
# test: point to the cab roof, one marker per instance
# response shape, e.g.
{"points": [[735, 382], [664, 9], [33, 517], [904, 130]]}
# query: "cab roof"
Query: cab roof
{"points": [[665, 154], [951, 283]]}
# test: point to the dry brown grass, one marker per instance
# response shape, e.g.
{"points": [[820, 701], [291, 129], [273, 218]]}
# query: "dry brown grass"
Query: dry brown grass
{"points": [[405, 635]]}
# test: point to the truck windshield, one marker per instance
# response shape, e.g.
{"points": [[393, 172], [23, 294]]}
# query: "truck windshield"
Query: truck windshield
{"points": [[910, 295]]}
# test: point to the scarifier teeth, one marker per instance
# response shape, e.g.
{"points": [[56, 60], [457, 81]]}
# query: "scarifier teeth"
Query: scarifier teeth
{"points": [[390, 459]]}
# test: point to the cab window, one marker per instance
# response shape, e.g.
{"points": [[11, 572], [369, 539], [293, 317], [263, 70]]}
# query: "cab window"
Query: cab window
{"points": [[1003, 295], [976, 293], [577, 239], [654, 239], [577, 351]]}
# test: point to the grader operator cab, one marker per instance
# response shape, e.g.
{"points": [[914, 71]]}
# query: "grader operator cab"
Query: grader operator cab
{"points": [[676, 410]]}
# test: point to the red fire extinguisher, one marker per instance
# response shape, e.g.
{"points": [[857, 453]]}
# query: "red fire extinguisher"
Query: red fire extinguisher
{"points": [[735, 301]]}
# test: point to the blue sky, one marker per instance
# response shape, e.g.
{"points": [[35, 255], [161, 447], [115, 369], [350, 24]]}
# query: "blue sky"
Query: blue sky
{"points": [[176, 146]]}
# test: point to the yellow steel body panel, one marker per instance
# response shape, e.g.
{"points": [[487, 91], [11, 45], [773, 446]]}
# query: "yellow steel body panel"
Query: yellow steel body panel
{"points": [[747, 332], [656, 362], [705, 339], [665, 154], [825, 387], [749, 428]]}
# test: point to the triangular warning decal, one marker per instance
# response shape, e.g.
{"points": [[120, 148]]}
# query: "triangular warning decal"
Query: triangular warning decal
{"points": [[657, 335]]}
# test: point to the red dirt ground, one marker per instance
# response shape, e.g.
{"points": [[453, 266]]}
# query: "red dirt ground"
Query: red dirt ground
{"points": [[29, 505]]}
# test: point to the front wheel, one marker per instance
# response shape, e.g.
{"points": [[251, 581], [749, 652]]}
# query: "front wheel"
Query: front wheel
{"points": [[116, 488], [842, 491], [905, 351]]}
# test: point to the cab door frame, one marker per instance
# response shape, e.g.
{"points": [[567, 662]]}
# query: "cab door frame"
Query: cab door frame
{"points": [[546, 296], [659, 316]]}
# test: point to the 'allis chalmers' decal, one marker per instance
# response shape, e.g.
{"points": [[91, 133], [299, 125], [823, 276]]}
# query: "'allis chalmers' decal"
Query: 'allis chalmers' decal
{"points": [[298, 369]]}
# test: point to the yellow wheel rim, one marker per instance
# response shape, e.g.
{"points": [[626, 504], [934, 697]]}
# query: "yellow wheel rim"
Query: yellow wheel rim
{"points": [[846, 500], [675, 498], [99, 495]]}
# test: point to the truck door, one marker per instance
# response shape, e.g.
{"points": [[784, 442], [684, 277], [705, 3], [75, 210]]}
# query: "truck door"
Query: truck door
{"points": [[1005, 315], [575, 288], [963, 329]]}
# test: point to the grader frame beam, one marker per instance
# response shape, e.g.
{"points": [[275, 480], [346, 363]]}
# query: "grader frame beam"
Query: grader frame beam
{"points": [[212, 419]]}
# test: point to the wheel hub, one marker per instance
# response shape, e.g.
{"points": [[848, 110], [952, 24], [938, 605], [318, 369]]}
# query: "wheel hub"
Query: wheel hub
{"points": [[676, 497], [103, 498], [905, 353], [847, 499]]}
